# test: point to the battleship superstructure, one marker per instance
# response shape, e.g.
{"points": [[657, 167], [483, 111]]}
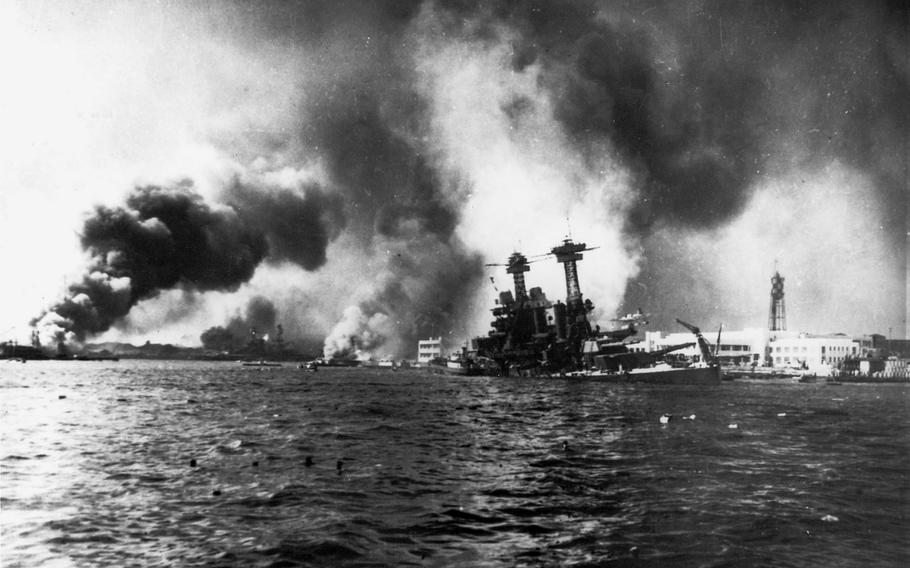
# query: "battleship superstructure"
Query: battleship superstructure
{"points": [[532, 335]]}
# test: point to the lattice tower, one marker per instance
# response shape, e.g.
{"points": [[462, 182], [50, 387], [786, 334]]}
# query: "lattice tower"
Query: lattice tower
{"points": [[777, 315]]}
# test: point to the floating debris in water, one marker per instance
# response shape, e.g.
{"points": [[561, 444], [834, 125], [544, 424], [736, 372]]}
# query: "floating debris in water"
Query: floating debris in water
{"points": [[830, 519], [665, 419], [193, 462], [689, 417], [309, 461], [733, 426], [781, 414]]}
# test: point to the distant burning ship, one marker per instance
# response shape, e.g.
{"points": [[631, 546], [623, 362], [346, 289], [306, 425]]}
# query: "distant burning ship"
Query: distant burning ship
{"points": [[531, 335]]}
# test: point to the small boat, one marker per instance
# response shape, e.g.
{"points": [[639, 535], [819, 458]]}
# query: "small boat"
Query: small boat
{"points": [[456, 364], [260, 364]]}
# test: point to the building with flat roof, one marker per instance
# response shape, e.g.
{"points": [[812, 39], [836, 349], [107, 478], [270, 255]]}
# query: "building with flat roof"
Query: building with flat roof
{"points": [[817, 353], [775, 346], [756, 346], [428, 349], [737, 347]]}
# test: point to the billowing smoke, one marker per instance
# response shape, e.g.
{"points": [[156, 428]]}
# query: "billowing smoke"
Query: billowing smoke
{"points": [[162, 237], [358, 334], [370, 125], [707, 105], [699, 101], [258, 322], [447, 134], [169, 237], [417, 291], [298, 223], [421, 274]]}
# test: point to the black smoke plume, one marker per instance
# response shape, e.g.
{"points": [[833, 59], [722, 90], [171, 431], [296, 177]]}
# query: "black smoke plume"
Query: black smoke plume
{"points": [[701, 99], [169, 237], [298, 224], [258, 321]]}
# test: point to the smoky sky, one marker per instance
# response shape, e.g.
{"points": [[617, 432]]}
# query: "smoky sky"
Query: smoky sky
{"points": [[298, 225], [705, 101], [368, 125], [698, 101], [259, 318], [382, 172], [398, 200], [260, 314]]}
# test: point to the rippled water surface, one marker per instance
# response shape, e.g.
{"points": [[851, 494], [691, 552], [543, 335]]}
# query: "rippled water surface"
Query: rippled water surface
{"points": [[96, 470]]}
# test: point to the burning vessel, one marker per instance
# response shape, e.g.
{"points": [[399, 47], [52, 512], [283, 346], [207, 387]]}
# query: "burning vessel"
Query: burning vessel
{"points": [[530, 335]]}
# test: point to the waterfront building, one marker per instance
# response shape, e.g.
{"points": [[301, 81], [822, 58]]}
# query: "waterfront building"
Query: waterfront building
{"points": [[779, 348], [428, 349], [816, 353], [737, 347], [757, 347]]}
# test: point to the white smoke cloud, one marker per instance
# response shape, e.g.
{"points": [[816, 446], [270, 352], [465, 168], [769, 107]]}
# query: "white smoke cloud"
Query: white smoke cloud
{"points": [[528, 187], [358, 334]]}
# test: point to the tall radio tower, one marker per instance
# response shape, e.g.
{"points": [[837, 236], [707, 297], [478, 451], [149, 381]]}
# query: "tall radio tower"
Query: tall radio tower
{"points": [[777, 316]]}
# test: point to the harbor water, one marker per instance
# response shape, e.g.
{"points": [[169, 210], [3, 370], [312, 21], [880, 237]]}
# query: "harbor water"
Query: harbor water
{"points": [[152, 463]]}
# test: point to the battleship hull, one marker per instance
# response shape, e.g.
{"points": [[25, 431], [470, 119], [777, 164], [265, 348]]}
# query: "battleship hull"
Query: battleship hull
{"points": [[532, 336]]}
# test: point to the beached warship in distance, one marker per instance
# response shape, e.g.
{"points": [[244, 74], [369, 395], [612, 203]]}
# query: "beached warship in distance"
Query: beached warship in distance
{"points": [[530, 335]]}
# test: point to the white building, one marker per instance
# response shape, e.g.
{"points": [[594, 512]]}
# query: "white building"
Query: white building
{"points": [[740, 347], [816, 353], [428, 349], [819, 353]]}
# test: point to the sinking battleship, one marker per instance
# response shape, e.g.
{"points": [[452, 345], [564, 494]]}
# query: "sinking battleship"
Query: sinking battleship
{"points": [[530, 335]]}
